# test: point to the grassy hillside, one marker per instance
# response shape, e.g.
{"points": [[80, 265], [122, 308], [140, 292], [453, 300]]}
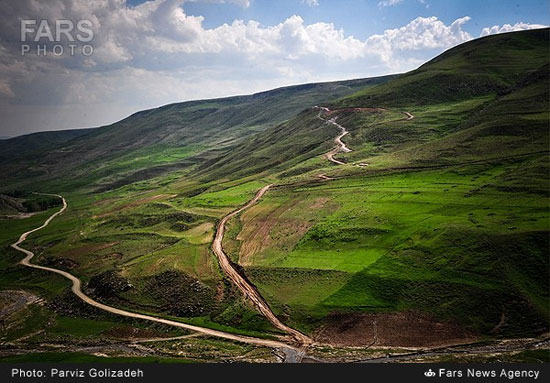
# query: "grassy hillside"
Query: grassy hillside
{"points": [[489, 65], [160, 140], [434, 231], [35, 144], [449, 219]]}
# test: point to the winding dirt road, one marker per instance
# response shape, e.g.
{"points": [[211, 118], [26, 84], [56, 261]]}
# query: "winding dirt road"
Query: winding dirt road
{"points": [[242, 284], [292, 353], [77, 290], [340, 146]]}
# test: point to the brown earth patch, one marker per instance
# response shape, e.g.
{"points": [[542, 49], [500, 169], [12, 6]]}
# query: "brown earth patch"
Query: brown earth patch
{"points": [[12, 301], [401, 329], [88, 249], [103, 202], [19, 215], [134, 204], [257, 233]]}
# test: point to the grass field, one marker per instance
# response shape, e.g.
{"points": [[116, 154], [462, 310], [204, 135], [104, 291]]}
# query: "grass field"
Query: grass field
{"points": [[439, 221]]}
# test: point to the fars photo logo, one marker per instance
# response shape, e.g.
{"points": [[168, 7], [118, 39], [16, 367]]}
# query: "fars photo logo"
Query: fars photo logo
{"points": [[57, 38]]}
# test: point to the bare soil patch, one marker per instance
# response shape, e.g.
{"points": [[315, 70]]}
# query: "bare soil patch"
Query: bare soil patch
{"points": [[19, 215], [403, 329], [12, 301], [62, 263], [319, 203], [259, 234]]}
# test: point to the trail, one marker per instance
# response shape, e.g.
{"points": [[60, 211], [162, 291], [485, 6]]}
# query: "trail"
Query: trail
{"points": [[292, 353], [340, 146], [246, 288], [325, 177], [77, 290]]}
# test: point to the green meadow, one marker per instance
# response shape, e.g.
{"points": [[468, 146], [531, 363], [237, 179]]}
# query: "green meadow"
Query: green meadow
{"points": [[445, 215]]}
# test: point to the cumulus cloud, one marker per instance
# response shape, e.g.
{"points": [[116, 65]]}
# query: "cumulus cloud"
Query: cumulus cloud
{"points": [[159, 31], [155, 53], [510, 28]]}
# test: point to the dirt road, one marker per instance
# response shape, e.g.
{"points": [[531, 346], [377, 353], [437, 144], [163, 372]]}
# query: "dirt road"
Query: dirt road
{"points": [[246, 288], [340, 146], [77, 290]]}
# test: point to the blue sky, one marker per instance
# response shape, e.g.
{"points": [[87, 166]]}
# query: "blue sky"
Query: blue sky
{"points": [[364, 17], [147, 54]]}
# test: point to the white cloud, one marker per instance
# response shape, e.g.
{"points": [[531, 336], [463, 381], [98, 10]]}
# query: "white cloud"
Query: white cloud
{"points": [[155, 53], [160, 33], [311, 3], [404, 48], [509, 28], [388, 3]]}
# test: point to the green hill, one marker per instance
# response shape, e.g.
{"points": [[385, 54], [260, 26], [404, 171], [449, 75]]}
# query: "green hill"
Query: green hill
{"points": [[485, 66], [434, 231], [166, 138]]}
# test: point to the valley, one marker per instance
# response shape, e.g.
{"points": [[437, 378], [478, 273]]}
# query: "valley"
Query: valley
{"points": [[405, 219]]}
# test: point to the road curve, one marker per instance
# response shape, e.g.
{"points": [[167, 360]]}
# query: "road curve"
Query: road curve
{"points": [[77, 290], [340, 146], [246, 288]]}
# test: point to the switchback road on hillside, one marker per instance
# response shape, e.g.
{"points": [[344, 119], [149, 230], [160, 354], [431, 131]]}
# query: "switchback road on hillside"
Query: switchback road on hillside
{"points": [[77, 290], [246, 288], [340, 146]]}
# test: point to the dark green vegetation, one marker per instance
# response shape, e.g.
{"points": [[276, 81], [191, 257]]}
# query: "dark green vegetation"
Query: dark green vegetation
{"points": [[437, 222], [157, 141], [22, 202], [39, 144]]}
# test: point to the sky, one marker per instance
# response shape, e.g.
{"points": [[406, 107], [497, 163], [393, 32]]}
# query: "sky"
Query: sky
{"points": [[130, 55]]}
